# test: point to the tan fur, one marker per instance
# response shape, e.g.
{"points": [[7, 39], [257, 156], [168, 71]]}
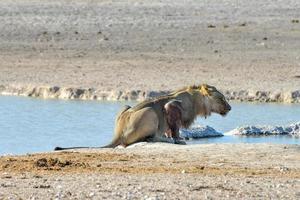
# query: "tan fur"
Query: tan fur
{"points": [[146, 120]]}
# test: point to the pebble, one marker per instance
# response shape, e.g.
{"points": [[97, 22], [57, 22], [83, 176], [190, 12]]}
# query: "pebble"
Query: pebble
{"points": [[91, 194], [283, 169], [59, 187], [7, 176]]}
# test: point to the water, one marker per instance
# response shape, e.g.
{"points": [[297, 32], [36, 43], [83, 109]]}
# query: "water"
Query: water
{"points": [[34, 125]]}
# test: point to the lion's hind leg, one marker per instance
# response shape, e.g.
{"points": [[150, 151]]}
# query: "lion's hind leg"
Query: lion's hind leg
{"points": [[142, 124]]}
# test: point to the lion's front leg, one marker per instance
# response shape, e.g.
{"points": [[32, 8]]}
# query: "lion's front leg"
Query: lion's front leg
{"points": [[164, 139], [179, 141], [157, 138]]}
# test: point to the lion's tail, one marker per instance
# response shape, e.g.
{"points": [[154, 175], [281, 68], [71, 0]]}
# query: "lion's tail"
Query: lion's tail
{"points": [[115, 142], [68, 148]]}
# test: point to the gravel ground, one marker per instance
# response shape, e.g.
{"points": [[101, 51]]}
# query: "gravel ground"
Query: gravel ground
{"points": [[151, 45], [156, 171]]}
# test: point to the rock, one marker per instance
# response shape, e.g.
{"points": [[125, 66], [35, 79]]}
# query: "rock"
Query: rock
{"points": [[92, 194], [42, 186], [41, 162], [199, 132], [211, 26], [292, 130]]}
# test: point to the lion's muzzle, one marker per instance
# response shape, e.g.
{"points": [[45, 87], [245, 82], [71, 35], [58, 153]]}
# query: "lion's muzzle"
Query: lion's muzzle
{"points": [[226, 109]]}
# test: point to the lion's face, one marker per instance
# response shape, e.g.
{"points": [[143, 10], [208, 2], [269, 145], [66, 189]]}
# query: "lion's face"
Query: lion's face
{"points": [[217, 101]]}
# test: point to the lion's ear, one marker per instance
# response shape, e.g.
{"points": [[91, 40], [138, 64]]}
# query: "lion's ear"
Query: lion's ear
{"points": [[211, 88], [204, 90]]}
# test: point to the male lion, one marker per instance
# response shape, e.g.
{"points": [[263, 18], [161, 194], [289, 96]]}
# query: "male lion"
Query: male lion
{"points": [[147, 121]]}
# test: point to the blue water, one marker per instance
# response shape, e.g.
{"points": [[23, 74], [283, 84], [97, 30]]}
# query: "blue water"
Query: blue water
{"points": [[34, 125]]}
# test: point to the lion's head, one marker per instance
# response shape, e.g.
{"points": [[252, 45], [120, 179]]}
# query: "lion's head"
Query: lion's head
{"points": [[211, 100], [215, 101]]}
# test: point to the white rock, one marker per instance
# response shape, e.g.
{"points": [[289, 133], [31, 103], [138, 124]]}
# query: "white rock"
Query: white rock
{"points": [[91, 194], [199, 132], [292, 130]]}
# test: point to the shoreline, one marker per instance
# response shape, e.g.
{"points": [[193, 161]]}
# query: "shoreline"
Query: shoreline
{"points": [[55, 92]]}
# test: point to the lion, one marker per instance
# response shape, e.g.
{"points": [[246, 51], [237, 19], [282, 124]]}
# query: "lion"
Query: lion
{"points": [[147, 121]]}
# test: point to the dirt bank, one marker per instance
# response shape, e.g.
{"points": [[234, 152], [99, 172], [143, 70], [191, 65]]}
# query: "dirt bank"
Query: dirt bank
{"points": [[161, 171]]}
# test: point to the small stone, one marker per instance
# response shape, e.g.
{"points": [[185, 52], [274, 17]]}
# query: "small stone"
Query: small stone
{"points": [[59, 187], [42, 186], [37, 176], [6, 176], [183, 171], [279, 185], [41, 162], [69, 193], [211, 26], [284, 169], [91, 194]]}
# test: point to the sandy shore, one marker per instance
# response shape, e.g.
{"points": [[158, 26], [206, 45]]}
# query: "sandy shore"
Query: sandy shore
{"points": [[156, 171], [248, 48]]}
